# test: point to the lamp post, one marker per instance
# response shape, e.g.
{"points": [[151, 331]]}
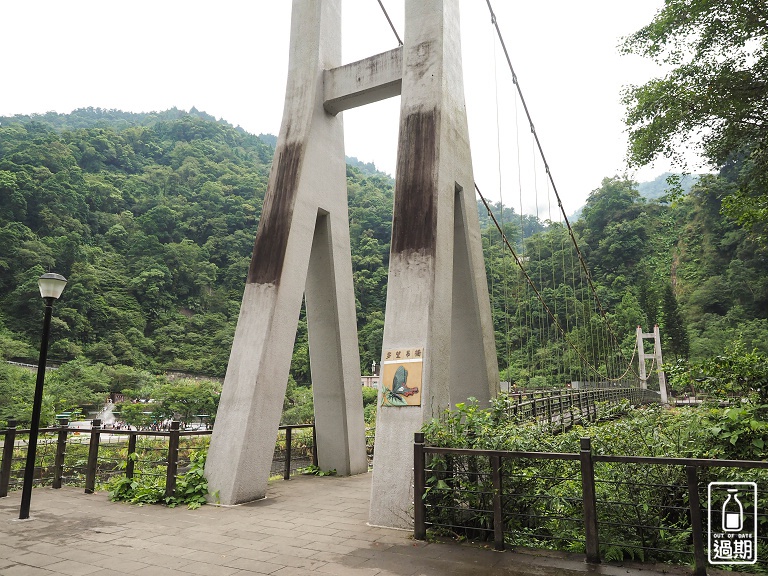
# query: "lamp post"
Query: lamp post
{"points": [[51, 287]]}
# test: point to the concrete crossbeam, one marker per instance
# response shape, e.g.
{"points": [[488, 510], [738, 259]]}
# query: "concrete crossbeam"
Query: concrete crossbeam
{"points": [[363, 82]]}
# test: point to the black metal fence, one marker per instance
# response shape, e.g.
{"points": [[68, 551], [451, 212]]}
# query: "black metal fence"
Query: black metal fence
{"points": [[609, 507], [87, 456]]}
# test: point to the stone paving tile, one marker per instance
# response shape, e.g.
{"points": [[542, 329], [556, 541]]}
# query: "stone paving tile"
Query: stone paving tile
{"points": [[281, 533], [209, 557], [72, 568], [291, 571], [48, 548], [255, 566], [169, 550], [79, 555], [21, 570], [364, 535], [252, 544], [306, 527], [288, 549], [336, 558], [292, 539], [342, 570], [252, 554], [328, 547], [33, 559], [295, 562], [125, 564], [163, 561], [6, 550], [155, 571], [312, 531], [397, 563], [182, 543], [205, 569]]}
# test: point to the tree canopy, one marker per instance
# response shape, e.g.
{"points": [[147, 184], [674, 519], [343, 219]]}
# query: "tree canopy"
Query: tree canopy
{"points": [[714, 97], [152, 218]]}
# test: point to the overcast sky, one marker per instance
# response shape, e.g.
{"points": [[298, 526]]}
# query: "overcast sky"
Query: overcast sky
{"points": [[229, 58]]}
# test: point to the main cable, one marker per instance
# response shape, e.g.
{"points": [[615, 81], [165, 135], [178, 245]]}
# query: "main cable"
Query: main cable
{"points": [[400, 42], [515, 81]]}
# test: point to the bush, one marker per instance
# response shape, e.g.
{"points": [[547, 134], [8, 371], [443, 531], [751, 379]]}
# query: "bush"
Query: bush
{"points": [[542, 503]]}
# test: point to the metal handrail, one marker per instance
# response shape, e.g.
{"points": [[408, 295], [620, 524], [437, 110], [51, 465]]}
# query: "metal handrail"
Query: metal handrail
{"points": [[588, 491]]}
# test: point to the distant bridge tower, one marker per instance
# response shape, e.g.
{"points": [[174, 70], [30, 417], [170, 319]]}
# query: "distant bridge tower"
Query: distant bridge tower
{"points": [[438, 346], [655, 357]]}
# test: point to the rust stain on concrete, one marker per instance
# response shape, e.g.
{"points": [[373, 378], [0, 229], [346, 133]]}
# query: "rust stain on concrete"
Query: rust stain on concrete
{"points": [[414, 224], [272, 236]]}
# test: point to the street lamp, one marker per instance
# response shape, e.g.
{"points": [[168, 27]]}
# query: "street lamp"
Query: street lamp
{"points": [[51, 287]]}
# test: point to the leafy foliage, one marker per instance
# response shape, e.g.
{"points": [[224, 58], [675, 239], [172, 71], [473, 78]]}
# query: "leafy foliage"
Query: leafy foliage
{"points": [[640, 507], [152, 218], [316, 471], [714, 96], [191, 487]]}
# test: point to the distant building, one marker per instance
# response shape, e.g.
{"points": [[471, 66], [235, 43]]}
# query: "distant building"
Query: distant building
{"points": [[370, 381]]}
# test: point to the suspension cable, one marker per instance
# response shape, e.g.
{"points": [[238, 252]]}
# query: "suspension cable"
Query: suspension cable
{"points": [[516, 82], [400, 42], [530, 282]]}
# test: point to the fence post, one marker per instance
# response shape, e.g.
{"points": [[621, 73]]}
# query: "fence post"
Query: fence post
{"points": [[419, 480], [533, 406], [8, 444], [93, 457], [287, 469], [173, 460], [548, 405], [700, 559], [61, 447], [498, 519], [580, 401], [130, 462], [594, 395], [314, 444], [589, 501]]}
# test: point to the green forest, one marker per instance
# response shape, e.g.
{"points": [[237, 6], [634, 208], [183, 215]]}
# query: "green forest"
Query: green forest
{"points": [[152, 219]]}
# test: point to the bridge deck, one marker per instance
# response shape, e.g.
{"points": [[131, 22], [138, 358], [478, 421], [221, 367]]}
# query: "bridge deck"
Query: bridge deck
{"points": [[306, 526]]}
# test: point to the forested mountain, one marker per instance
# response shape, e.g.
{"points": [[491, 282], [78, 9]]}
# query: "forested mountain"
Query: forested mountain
{"points": [[152, 219]]}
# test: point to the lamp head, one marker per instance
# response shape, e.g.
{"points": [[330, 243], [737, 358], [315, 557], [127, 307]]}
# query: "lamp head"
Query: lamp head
{"points": [[51, 285]]}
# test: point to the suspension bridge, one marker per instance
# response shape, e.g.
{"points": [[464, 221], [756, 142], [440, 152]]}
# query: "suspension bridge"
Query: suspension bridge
{"points": [[466, 307]]}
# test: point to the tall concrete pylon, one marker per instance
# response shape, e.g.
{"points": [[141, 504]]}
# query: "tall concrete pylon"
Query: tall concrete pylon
{"points": [[301, 248], [438, 310], [437, 296]]}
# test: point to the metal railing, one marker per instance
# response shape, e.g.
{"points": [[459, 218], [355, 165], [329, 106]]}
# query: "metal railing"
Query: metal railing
{"points": [[87, 456], [565, 409], [645, 507]]}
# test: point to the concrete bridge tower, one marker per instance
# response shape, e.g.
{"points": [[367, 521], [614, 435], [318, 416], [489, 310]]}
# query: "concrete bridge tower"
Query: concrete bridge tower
{"points": [[438, 346]]}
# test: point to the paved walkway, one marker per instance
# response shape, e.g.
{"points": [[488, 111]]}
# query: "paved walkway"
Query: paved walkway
{"points": [[307, 526]]}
